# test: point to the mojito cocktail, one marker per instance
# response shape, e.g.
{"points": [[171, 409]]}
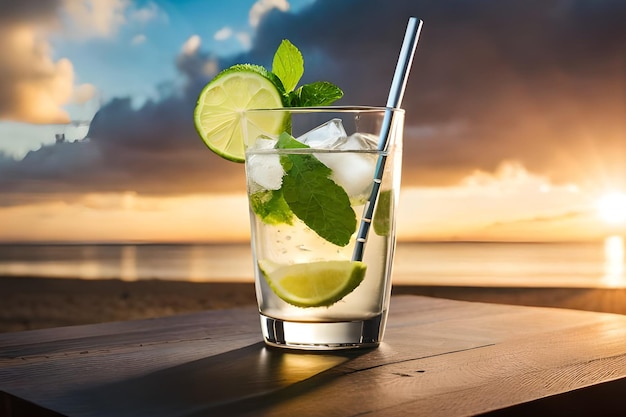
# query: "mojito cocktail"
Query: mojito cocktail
{"points": [[308, 188], [322, 188]]}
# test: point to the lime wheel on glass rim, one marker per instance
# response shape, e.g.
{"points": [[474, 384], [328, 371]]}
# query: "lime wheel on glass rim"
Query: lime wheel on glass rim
{"points": [[218, 116], [222, 121]]}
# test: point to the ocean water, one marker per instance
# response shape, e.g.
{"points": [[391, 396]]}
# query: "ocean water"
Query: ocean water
{"points": [[599, 264]]}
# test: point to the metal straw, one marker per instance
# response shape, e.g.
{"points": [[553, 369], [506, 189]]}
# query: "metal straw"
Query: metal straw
{"points": [[394, 100]]}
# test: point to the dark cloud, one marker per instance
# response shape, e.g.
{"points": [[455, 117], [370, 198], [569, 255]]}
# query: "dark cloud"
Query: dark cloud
{"points": [[541, 82], [151, 150], [536, 81], [28, 11]]}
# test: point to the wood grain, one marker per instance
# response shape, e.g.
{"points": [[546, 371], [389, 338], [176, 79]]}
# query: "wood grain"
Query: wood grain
{"points": [[440, 358]]}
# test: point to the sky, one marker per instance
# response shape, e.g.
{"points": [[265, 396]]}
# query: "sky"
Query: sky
{"points": [[515, 126]]}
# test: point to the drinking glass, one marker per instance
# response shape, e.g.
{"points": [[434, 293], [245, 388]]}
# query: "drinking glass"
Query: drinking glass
{"points": [[323, 266]]}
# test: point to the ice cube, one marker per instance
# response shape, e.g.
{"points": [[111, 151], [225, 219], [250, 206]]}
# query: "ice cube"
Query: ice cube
{"points": [[353, 171], [358, 142], [264, 169], [263, 142], [324, 136]]}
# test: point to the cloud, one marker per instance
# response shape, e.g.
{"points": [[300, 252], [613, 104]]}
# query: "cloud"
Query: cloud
{"points": [[509, 203], [85, 19], [93, 18], [138, 39], [244, 39], [151, 11], [197, 66], [35, 86], [223, 34], [83, 93], [539, 84], [261, 7], [227, 32], [152, 150], [191, 45]]}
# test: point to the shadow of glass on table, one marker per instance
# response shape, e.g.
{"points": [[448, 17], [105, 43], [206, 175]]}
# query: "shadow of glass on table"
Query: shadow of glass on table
{"points": [[229, 381]]}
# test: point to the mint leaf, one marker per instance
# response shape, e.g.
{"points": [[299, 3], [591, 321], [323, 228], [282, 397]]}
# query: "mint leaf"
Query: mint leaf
{"points": [[313, 197], [288, 65], [271, 207], [319, 93], [286, 141]]}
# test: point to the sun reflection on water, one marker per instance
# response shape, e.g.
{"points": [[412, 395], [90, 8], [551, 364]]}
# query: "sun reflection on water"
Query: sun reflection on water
{"points": [[128, 263], [614, 262], [88, 267]]}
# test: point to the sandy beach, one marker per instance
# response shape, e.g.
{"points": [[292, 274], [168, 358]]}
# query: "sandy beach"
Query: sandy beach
{"points": [[34, 303]]}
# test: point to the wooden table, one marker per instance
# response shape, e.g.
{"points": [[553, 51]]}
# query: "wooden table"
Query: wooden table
{"points": [[440, 358]]}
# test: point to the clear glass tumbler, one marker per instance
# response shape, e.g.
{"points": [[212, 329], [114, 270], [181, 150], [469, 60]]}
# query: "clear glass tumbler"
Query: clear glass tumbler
{"points": [[322, 264]]}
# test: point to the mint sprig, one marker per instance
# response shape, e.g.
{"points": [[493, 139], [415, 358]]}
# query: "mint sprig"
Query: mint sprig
{"points": [[288, 66], [322, 204], [307, 190]]}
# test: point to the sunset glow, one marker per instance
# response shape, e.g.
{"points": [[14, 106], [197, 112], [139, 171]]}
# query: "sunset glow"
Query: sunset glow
{"points": [[514, 137], [614, 262], [612, 208], [129, 218]]}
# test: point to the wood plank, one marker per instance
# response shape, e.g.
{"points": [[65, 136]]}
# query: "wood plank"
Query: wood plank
{"points": [[440, 357], [466, 382], [210, 322]]}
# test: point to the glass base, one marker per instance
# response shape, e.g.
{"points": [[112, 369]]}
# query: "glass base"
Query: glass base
{"points": [[323, 336]]}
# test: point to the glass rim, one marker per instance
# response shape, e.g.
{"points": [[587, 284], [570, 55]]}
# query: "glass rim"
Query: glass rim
{"points": [[330, 109]]}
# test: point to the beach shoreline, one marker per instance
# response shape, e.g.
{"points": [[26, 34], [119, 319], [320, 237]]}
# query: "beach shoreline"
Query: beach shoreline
{"points": [[34, 302]]}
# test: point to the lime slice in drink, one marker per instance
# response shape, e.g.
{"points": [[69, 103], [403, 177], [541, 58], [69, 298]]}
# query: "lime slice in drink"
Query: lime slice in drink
{"points": [[382, 225], [218, 115], [314, 284]]}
